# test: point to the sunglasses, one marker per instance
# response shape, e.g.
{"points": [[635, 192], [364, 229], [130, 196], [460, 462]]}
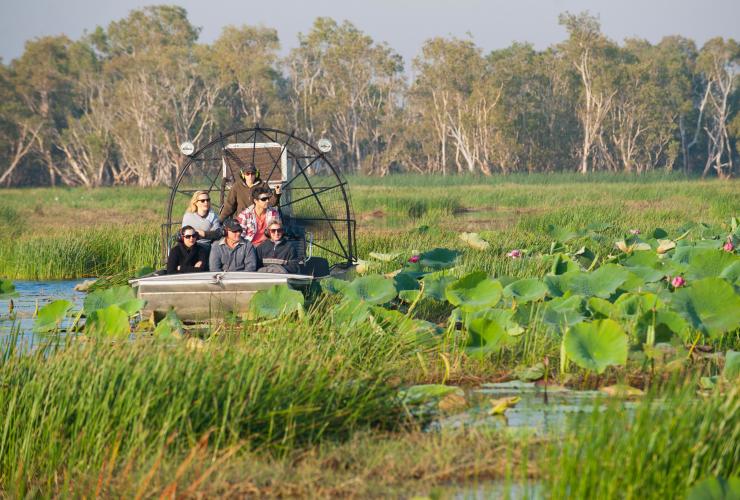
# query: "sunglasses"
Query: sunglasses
{"points": [[277, 230], [188, 236], [264, 198], [249, 173], [204, 200]]}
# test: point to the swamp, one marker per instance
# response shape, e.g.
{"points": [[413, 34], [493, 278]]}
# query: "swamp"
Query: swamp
{"points": [[539, 336]]}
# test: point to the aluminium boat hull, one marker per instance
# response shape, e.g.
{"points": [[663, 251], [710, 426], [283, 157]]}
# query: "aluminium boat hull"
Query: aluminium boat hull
{"points": [[207, 295]]}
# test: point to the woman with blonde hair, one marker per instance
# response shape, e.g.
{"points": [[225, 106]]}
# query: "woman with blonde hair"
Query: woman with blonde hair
{"points": [[202, 218]]}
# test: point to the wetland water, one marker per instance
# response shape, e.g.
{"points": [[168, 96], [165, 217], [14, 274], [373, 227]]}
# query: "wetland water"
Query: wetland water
{"points": [[33, 295]]}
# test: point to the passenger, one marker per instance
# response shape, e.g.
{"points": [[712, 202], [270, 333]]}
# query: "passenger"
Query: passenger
{"points": [[241, 193], [232, 252], [201, 216], [257, 217], [186, 256], [277, 255]]}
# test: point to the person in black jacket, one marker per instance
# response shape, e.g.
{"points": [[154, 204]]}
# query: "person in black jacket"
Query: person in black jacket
{"points": [[186, 256], [277, 255]]}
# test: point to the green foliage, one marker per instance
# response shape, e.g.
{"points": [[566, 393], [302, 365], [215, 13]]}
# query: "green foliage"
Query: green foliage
{"points": [[170, 327], [275, 302], [526, 290], [121, 296], [371, 289], [491, 330], [596, 345], [7, 289], [710, 306], [51, 316], [473, 292], [732, 365], [108, 322]]}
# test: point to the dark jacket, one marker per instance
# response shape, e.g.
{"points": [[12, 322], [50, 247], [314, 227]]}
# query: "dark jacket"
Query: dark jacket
{"points": [[242, 257], [183, 259], [282, 253], [240, 197]]}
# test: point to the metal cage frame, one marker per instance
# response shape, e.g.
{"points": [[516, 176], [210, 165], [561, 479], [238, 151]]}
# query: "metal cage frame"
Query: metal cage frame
{"points": [[342, 229]]}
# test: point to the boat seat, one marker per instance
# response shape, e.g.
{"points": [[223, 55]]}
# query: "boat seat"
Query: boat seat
{"points": [[310, 265]]}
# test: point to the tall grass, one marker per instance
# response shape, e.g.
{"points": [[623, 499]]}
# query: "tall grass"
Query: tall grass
{"points": [[273, 387], [656, 450]]}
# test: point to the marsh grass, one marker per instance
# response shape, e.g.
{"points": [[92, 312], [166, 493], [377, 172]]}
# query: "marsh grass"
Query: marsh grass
{"points": [[656, 449]]}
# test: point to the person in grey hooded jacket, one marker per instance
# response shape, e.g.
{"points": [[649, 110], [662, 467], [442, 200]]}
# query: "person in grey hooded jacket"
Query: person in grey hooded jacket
{"points": [[232, 252]]}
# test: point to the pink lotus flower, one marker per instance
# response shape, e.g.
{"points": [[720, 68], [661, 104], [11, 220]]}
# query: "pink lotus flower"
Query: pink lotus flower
{"points": [[414, 259], [634, 231], [514, 254], [678, 282], [728, 247]]}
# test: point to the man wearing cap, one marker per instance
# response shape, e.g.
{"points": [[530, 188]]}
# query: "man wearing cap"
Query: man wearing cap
{"points": [[240, 195], [232, 252], [277, 255]]}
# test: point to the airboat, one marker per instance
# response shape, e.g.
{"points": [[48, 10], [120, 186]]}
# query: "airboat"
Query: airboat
{"points": [[315, 208]]}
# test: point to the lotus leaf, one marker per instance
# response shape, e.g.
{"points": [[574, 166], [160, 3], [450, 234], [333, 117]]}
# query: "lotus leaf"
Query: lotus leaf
{"points": [[665, 322], [526, 290], [439, 258], [562, 264], [659, 233], [585, 257], [602, 282], [474, 291], [111, 321], [715, 488], [371, 289], [596, 345], [559, 234], [418, 331], [645, 274], [530, 373], [732, 365], [491, 330], [350, 313], [7, 289], [642, 259], [707, 263], [601, 308], [732, 273], [436, 284], [562, 312], [405, 281], [409, 296], [51, 316], [170, 327], [384, 257], [636, 304], [122, 296], [474, 240], [333, 285], [419, 394], [275, 302], [709, 305]]}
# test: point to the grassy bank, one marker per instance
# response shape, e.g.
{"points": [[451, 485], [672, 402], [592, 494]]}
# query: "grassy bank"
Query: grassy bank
{"points": [[68, 233]]}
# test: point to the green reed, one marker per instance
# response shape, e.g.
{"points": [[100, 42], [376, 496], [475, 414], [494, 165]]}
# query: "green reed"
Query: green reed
{"points": [[656, 449]]}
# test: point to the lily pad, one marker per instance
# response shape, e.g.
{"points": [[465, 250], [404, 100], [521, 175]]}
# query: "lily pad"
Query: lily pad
{"points": [[490, 331], [530, 373], [420, 394], [122, 296], [709, 305], [372, 289], [474, 291], [562, 312], [526, 290], [436, 284], [350, 313], [111, 321], [333, 285], [596, 345], [715, 488], [439, 258], [405, 281], [600, 283], [276, 301], [170, 327], [51, 316], [707, 263], [384, 257]]}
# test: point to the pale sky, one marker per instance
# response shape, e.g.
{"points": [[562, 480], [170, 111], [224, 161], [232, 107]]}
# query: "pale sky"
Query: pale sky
{"points": [[403, 24]]}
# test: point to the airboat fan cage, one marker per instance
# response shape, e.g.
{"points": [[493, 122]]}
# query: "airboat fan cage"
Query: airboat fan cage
{"points": [[315, 199]]}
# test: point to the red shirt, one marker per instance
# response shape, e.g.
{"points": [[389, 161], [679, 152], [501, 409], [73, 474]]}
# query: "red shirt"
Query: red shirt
{"points": [[259, 234]]}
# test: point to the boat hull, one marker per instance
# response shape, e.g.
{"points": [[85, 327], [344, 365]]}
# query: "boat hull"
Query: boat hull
{"points": [[197, 296]]}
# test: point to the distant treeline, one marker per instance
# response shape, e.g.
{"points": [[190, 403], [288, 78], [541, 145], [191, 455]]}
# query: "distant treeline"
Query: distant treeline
{"points": [[112, 107]]}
